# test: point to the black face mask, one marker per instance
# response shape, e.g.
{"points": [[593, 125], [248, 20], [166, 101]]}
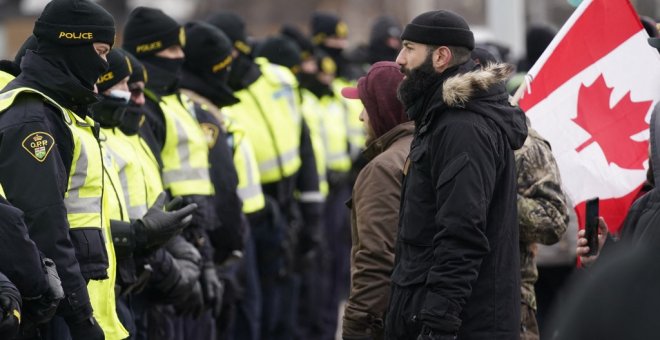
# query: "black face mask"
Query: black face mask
{"points": [[311, 82], [109, 112], [130, 123], [243, 72], [82, 61], [164, 74]]}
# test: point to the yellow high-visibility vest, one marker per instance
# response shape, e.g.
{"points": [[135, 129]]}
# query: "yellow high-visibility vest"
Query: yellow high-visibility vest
{"points": [[357, 136], [138, 171], [271, 114], [5, 78], [312, 114], [245, 162], [87, 206], [185, 153]]}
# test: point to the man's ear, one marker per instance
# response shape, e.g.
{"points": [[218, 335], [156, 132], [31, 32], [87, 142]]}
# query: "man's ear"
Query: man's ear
{"points": [[441, 58]]}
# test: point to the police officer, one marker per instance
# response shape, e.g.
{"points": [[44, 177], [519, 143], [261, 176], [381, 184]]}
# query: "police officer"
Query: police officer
{"points": [[234, 173], [157, 40], [162, 280], [270, 111], [51, 161]]}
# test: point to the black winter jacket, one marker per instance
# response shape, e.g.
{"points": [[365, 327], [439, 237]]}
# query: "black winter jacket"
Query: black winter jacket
{"points": [[458, 239]]}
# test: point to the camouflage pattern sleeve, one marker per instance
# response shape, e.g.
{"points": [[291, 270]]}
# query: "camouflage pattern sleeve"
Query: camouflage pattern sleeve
{"points": [[542, 209]]}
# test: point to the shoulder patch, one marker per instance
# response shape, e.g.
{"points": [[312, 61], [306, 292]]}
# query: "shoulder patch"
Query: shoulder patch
{"points": [[38, 145], [211, 133]]}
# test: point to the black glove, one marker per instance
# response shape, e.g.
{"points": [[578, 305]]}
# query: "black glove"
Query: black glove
{"points": [[430, 334], [194, 303], [212, 288], [87, 329], [159, 225], [40, 309], [10, 310]]}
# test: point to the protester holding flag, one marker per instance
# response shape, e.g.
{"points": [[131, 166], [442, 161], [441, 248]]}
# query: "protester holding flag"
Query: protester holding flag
{"points": [[594, 109], [457, 269]]}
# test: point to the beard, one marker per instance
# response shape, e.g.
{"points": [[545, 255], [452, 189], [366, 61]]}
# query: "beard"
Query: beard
{"points": [[417, 82]]}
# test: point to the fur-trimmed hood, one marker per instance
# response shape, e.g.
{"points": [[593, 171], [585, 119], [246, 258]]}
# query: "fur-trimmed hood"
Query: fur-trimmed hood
{"points": [[459, 89], [481, 89]]}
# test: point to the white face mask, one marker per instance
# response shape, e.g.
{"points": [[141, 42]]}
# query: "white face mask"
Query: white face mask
{"points": [[125, 95]]}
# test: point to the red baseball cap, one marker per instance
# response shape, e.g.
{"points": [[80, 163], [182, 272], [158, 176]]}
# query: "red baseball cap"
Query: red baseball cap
{"points": [[350, 93]]}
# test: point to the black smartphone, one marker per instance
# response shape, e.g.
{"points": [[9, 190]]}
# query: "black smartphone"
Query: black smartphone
{"points": [[591, 225]]}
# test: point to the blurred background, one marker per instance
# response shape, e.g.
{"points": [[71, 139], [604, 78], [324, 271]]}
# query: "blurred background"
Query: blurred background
{"points": [[498, 21]]}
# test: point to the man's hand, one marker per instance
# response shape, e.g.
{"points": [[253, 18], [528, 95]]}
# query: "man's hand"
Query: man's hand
{"points": [[161, 223], [582, 248], [212, 288]]}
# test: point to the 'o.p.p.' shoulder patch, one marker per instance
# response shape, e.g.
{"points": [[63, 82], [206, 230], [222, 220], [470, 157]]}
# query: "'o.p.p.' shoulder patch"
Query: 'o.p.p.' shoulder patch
{"points": [[38, 145]]}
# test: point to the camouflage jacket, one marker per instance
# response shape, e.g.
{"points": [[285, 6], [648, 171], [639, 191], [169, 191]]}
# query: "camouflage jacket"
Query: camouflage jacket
{"points": [[542, 209]]}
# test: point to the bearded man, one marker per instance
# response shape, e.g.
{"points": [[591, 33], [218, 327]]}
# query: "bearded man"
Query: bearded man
{"points": [[457, 267]]}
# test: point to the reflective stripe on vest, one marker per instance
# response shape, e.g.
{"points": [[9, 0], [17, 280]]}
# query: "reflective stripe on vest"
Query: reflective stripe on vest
{"points": [[249, 185], [357, 136], [86, 182], [312, 115], [131, 174], [267, 107], [185, 153], [333, 130]]}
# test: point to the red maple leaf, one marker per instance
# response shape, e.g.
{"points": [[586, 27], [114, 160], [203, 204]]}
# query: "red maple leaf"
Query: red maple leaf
{"points": [[612, 127]]}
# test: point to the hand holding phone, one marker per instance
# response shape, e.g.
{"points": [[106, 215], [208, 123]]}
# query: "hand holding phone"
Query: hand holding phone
{"points": [[591, 225]]}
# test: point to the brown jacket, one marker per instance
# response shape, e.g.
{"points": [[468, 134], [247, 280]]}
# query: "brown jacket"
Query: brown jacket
{"points": [[374, 221]]}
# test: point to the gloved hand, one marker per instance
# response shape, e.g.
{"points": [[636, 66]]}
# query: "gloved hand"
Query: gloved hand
{"points": [[159, 225], [193, 304], [10, 309], [212, 288], [188, 263], [430, 334], [40, 309], [87, 329]]}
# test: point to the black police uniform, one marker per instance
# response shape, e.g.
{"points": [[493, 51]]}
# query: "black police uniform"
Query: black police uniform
{"points": [[37, 187]]}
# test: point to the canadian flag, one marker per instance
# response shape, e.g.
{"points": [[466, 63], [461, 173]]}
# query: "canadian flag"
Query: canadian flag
{"points": [[590, 95]]}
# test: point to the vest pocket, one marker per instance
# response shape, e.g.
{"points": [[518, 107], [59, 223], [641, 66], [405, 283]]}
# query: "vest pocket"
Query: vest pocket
{"points": [[90, 252]]}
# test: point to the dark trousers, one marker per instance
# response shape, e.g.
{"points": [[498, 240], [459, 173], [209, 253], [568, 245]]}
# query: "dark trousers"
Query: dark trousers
{"points": [[338, 236], [248, 309], [549, 288]]}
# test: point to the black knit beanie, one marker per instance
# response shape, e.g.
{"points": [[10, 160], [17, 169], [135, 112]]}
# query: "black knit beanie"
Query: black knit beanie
{"points": [[304, 43], [149, 31], [208, 49], [234, 27], [326, 25], [75, 22], [439, 28], [139, 72], [281, 51], [120, 68]]}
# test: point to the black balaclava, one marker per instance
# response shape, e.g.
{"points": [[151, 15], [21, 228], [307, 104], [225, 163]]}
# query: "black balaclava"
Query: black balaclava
{"points": [[325, 25], [130, 122], [208, 60], [244, 71], [147, 32], [282, 51], [311, 82], [384, 28], [110, 110], [66, 31], [14, 67]]}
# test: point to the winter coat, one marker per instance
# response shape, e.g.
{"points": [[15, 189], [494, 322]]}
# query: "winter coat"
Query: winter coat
{"points": [[374, 220], [457, 256]]}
